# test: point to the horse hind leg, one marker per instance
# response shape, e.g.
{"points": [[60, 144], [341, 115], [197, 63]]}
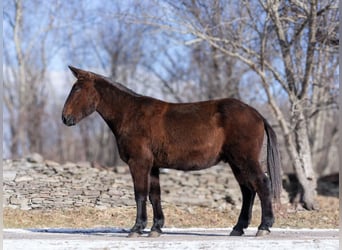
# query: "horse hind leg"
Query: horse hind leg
{"points": [[154, 196], [248, 195], [263, 188], [255, 182]]}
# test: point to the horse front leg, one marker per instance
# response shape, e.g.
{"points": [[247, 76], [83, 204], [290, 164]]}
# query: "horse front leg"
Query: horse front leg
{"points": [[154, 196], [140, 175]]}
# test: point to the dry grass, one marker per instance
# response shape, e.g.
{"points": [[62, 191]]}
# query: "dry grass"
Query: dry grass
{"points": [[326, 217]]}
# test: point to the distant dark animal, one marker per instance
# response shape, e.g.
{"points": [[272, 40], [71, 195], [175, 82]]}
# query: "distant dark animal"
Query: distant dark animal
{"points": [[153, 134]]}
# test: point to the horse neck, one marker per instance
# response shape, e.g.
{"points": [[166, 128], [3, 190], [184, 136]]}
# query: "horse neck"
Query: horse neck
{"points": [[114, 106]]}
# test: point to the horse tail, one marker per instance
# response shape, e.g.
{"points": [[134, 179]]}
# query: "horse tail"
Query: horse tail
{"points": [[273, 161]]}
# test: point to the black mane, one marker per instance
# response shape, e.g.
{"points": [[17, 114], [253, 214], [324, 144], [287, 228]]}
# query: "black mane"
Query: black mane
{"points": [[118, 85]]}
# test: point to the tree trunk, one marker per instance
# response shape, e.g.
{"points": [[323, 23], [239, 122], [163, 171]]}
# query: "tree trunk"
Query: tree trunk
{"points": [[301, 156], [318, 133], [20, 130]]}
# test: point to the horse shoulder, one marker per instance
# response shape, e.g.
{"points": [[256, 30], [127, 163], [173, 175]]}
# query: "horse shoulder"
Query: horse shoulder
{"points": [[142, 128]]}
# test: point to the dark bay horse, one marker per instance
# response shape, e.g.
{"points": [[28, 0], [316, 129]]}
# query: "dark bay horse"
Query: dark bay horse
{"points": [[153, 134]]}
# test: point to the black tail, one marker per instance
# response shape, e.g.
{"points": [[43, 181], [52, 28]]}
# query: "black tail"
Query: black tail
{"points": [[273, 161]]}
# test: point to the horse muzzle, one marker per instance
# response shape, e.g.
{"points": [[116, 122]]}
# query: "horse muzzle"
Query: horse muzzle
{"points": [[69, 120]]}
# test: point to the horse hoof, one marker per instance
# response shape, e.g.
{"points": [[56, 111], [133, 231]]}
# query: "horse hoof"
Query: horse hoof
{"points": [[154, 234], [133, 235], [263, 232], [236, 233]]}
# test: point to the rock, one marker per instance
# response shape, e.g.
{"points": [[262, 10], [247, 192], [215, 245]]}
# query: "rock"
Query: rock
{"points": [[14, 200], [70, 165], [51, 163], [101, 207], [122, 170], [25, 207], [37, 200], [53, 179], [61, 193], [35, 158], [84, 164], [91, 193], [9, 175], [23, 178]]}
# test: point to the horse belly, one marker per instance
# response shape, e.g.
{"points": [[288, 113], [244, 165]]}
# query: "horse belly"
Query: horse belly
{"points": [[193, 164], [191, 140], [191, 157]]}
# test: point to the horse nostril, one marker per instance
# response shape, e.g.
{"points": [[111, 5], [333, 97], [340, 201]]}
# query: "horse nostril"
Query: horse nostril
{"points": [[68, 120], [63, 119]]}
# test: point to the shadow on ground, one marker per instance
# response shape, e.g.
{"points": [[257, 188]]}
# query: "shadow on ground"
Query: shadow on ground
{"points": [[119, 231]]}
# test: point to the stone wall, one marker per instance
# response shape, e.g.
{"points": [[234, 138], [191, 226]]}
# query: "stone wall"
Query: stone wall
{"points": [[35, 183]]}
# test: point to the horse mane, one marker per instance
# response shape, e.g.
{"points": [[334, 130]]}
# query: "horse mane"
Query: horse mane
{"points": [[117, 85]]}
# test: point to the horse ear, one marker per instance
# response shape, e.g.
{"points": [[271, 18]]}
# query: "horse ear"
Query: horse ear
{"points": [[75, 71], [78, 73]]}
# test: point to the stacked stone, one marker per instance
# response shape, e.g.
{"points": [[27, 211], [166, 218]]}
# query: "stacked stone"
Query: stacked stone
{"points": [[35, 183]]}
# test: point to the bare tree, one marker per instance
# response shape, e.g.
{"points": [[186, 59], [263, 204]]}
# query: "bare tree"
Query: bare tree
{"points": [[278, 41], [323, 123], [24, 91], [217, 74], [195, 72]]}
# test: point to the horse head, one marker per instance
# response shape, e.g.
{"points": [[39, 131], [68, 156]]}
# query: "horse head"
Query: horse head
{"points": [[83, 97]]}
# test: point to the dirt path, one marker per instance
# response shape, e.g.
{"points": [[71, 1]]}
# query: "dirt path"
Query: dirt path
{"points": [[192, 238]]}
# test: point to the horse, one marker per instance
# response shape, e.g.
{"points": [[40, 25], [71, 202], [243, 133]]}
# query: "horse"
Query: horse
{"points": [[152, 134]]}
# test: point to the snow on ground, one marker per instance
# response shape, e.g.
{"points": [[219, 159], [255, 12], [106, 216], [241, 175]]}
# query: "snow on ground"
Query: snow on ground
{"points": [[173, 238]]}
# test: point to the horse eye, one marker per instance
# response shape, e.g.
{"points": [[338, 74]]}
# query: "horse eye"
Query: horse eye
{"points": [[77, 89]]}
